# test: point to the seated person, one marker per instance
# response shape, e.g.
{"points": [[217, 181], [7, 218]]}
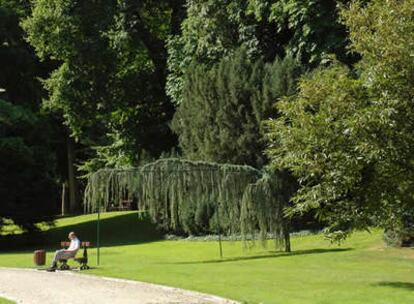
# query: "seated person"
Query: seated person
{"points": [[65, 254]]}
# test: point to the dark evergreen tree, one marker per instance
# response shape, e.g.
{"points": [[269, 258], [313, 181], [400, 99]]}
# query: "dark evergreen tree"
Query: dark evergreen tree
{"points": [[29, 139], [28, 188], [220, 116]]}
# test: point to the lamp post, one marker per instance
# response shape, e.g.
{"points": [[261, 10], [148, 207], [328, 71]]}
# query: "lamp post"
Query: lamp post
{"points": [[98, 236]]}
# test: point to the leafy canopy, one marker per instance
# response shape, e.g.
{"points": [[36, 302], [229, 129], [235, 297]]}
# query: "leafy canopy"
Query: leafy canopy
{"points": [[347, 135], [111, 71], [27, 185], [215, 29]]}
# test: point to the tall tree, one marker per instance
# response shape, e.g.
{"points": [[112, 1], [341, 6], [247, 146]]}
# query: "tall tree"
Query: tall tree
{"points": [[28, 137], [110, 81], [27, 167], [18, 62], [347, 135], [306, 30], [220, 116]]}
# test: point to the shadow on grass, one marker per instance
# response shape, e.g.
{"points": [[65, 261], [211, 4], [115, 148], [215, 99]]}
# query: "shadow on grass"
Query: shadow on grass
{"points": [[266, 256], [124, 229], [402, 285]]}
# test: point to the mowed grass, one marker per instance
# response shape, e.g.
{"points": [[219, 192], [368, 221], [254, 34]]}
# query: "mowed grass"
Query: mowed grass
{"points": [[361, 270], [5, 301]]}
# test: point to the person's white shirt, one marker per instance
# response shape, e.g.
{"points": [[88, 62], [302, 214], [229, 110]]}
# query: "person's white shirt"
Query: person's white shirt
{"points": [[74, 245]]}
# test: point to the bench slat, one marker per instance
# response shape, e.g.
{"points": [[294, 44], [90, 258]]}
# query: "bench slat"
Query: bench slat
{"points": [[83, 244]]}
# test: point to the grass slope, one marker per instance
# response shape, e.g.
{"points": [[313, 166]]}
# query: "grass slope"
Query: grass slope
{"points": [[362, 270]]}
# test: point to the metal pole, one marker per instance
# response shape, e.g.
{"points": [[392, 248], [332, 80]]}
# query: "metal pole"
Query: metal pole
{"points": [[98, 235], [219, 233], [63, 199]]}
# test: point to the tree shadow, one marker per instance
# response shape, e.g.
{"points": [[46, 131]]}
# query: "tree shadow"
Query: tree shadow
{"points": [[402, 285], [274, 254], [124, 229]]}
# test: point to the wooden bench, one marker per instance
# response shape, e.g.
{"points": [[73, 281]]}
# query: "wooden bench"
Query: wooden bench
{"points": [[124, 205], [83, 261]]}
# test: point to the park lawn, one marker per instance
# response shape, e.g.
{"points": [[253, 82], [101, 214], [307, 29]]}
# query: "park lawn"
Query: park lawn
{"points": [[5, 301], [361, 270]]}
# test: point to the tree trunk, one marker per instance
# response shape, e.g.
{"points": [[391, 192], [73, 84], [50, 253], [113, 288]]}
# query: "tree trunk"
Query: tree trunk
{"points": [[287, 242], [74, 205]]}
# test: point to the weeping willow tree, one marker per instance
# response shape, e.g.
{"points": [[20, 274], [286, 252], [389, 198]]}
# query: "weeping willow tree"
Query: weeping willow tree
{"points": [[262, 210], [196, 197]]}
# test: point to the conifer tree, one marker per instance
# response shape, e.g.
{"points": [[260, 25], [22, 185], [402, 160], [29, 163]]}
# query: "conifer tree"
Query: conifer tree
{"points": [[220, 117]]}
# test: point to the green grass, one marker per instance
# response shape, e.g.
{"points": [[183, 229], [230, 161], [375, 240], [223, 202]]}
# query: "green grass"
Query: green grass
{"points": [[5, 301], [362, 270]]}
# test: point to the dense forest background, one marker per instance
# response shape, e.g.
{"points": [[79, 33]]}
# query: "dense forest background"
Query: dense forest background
{"points": [[92, 84]]}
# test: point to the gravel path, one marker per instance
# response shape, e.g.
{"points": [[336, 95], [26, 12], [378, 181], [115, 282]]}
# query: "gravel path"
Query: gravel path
{"points": [[34, 286]]}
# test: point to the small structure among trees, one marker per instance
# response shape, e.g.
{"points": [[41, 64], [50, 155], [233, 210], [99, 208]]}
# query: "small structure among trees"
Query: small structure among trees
{"points": [[195, 197]]}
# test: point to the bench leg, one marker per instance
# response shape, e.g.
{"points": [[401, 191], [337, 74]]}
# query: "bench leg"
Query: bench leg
{"points": [[84, 266], [64, 265]]}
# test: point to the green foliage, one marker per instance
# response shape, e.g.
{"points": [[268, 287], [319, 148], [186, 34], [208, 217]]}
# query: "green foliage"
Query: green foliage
{"points": [[19, 65], [313, 138], [211, 31], [348, 136], [71, 33], [109, 82], [311, 28], [29, 140], [27, 189], [261, 209], [216, 29], [220, 117], [400, 232], [196, 197]]}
